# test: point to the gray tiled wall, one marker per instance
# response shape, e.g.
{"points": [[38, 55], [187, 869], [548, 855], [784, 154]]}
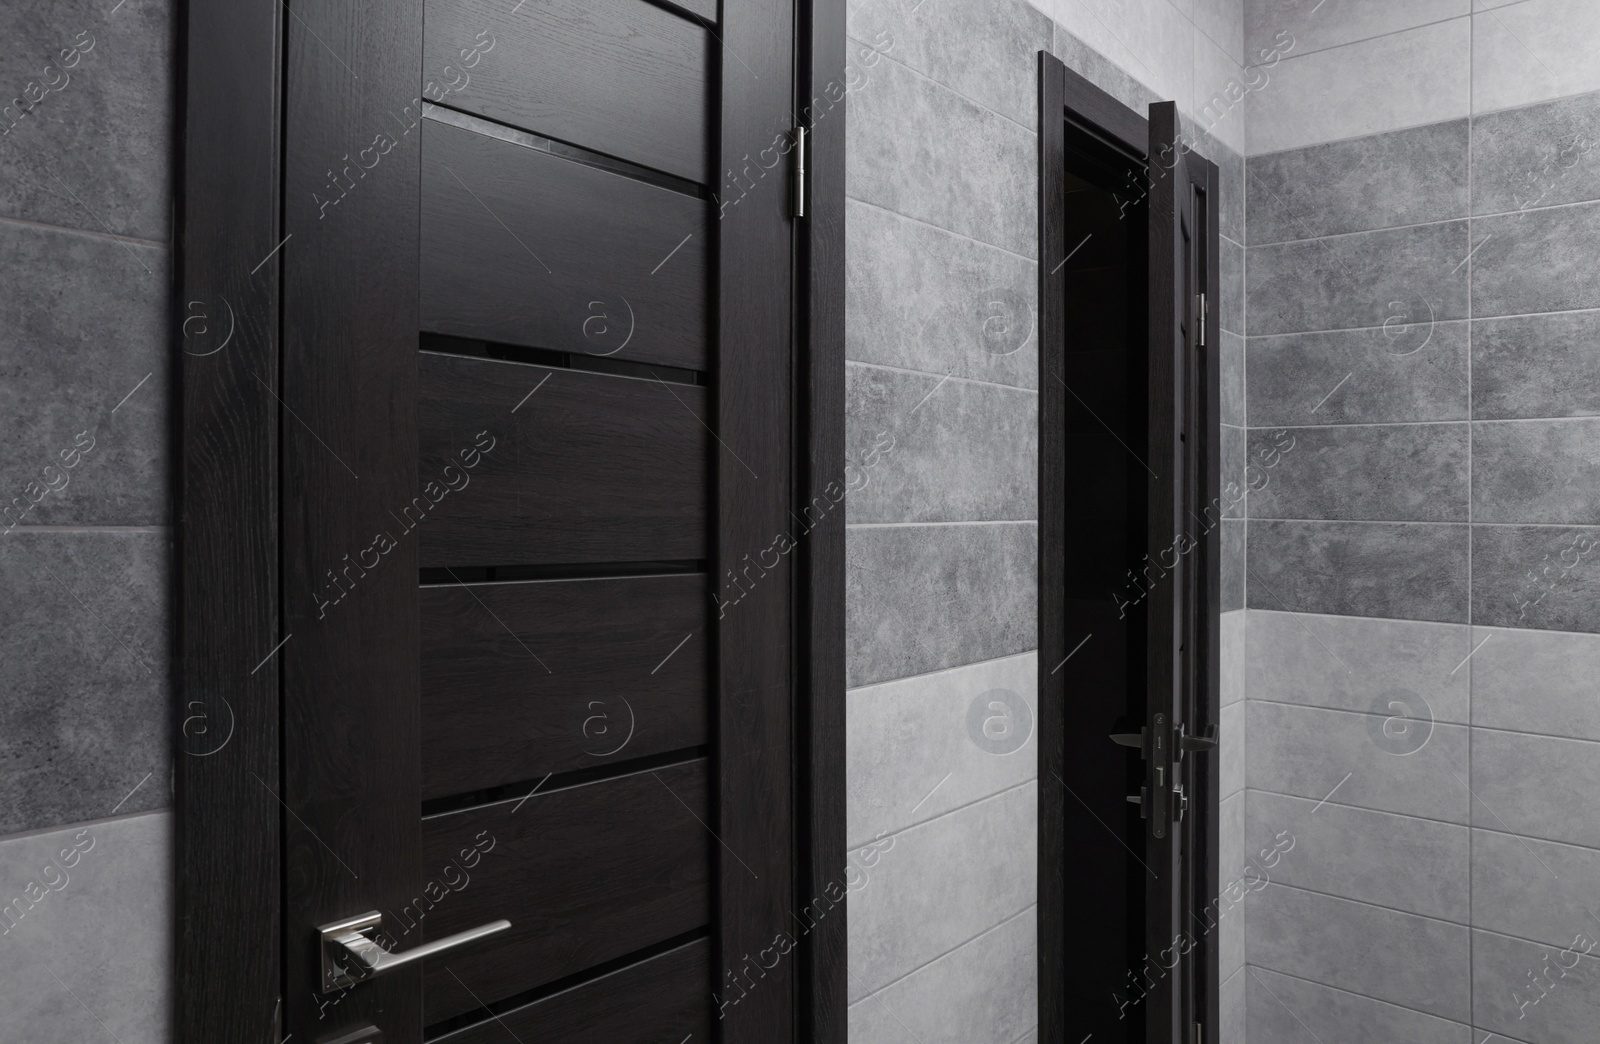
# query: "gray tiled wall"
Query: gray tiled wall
{"points": [[85, 549], [1421, 646]]}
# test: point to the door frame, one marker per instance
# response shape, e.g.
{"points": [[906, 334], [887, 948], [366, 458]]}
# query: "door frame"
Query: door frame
{"points": [[1092, 111], [226, 308]]}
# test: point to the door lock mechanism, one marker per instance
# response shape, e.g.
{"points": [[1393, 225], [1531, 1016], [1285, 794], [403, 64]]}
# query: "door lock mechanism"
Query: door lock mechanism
{"points": [[1163, 746]]}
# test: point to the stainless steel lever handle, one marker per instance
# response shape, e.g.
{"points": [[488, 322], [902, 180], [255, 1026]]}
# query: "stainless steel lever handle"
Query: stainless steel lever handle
{"points": [[351, 954]]}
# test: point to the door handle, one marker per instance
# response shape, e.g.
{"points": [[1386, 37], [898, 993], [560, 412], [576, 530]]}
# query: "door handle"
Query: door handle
{"points": [[351, 954]]}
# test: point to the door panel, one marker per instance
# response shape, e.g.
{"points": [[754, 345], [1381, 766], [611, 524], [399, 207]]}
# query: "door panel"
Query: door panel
{"points": [[523, 679], [584, 874], [644, 1003], [525, 247], [583, 467], [622, 77]]}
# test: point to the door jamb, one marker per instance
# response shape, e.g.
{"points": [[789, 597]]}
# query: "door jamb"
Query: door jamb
{"points": [[226, 298]]}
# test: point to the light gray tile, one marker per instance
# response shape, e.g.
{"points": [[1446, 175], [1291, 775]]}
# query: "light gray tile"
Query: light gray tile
{"points": [[1231, 856], [1223, 22], [1536, 366], [1537, 156], [1536, 786], [1405, 79], [84, 664], [1231, 194], [1215, 117], [922, 598], [940, 884], [987, 53], [1286, 1010], [1536, 471], [101, 129], [1415, 865], [1404, 372], [909, 752], [87, 951], [1232, 1009], [1307, 752], [1233, 725], [1233, 565], [1402, 958], [902, 154], [1536, 261], [945, 450], [1536, 576], [1081, 44], [1398, 570], [1315, 28], [1403, 177], [1372, 472], [1536, 681], [1230, 311], [924, 299], [1508, 997], [1348, 662], [1233, 628], [1532, 52], [88, 326], [986, 992], [1534, 889], [1394, 277], [1236, 472], [1232, 378]]}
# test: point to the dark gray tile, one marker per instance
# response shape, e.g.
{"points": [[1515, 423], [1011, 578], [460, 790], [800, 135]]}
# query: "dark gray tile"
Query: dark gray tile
{"points": [[1286, 1010], [1235, 447], [84, 664], [1403, 177], [103, 132], [987, 53], [927, 449], [1394, 277], [1416, 865], [1536, 471], [1536, 261], [1536, 681], [1348, 662], [1311, 753], [89, 327], [1370, 472], [1544, 577], [1400, 570], [1232, 379], [924, 299], [1536, 156], [1412, 961], [1233, 564], [1230, 310], [1536, 366], [1536, 786], [1230, 193], [1378, 376], [92, 959], [1533, 889], [1508, 998], [924, 597], [903, 133]]}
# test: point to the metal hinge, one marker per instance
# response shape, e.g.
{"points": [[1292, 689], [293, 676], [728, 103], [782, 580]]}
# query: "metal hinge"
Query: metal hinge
{"points": [[798, 203], [1202, 320], [1199, 1034]]}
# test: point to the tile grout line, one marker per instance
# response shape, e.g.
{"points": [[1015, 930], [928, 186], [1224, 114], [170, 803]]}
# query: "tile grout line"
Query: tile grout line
{"points": [[935, 960], [913, 371], [915, 824], [925, 223], [1363, 996]]}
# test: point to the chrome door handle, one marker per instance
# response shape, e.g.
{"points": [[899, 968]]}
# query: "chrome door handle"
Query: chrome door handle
{"points": [[351, 954]]}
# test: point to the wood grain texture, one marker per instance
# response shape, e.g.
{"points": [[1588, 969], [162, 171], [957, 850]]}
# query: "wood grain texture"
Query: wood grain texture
{"points": [[584, 875], [349, 387], [523, 679], [227, 863], [1093, 110], [523, 247], [584, 467], [825, 994], [622, 77], [661, 1000]]}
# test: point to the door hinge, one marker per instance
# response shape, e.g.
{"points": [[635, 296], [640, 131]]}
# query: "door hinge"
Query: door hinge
{"points": [[1199, 1034], [1202, 320], [797, 205]]}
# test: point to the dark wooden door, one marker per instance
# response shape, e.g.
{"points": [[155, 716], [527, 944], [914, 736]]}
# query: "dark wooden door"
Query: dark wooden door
{"points": [[537, 458]]}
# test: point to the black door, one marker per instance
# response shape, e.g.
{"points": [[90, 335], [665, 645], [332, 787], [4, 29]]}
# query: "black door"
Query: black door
{"points": [[536, 445]]}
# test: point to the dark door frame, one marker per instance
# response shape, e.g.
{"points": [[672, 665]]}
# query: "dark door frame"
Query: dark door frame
{"points": [[226, 307], [1067, 99]]}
